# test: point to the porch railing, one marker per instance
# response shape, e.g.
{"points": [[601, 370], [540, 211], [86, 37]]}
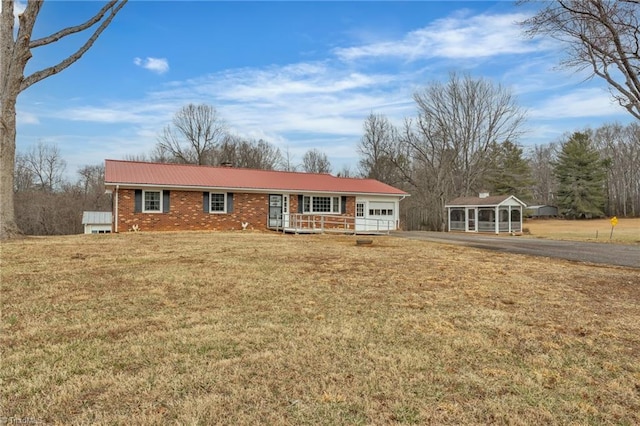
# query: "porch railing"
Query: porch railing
{"points": [[305, 222]]}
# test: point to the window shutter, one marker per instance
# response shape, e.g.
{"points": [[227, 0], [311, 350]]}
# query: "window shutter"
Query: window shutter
{"points": [[205, 202], [300, 201], [343, 204], [137, 201], [229, 202], [166, 200]]}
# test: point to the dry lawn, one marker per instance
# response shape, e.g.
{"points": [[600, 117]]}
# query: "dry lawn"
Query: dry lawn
{"points": [[626, 231], [259, 328]]}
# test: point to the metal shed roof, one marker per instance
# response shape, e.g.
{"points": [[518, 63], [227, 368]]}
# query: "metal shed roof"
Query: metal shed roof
{"points": [[96, 218]]}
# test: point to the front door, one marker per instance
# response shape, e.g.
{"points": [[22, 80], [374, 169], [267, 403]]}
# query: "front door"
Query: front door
{"points": [[361, 221], [471, 214], [275, 211]]}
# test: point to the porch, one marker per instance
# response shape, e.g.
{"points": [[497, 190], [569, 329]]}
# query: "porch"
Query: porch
{"points": [[499, 214], [303, 223]]}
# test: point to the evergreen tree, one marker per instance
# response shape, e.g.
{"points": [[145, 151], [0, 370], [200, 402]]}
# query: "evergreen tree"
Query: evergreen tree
{"points": [[581, 178], [511, 174]]}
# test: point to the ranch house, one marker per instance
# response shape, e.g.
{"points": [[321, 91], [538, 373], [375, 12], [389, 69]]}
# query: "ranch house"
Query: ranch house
{"points": [[168, 197], [485, 213]]}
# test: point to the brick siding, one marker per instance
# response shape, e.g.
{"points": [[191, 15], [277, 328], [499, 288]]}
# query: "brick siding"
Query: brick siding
{"points": [[186, 212]]}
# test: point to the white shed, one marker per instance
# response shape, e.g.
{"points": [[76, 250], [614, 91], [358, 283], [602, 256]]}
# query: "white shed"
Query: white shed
{"points": [[96, 222]]}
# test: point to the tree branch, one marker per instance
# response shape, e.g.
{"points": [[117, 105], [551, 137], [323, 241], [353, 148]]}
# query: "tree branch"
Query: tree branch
{"points": [[47, 72], [72, 30]]}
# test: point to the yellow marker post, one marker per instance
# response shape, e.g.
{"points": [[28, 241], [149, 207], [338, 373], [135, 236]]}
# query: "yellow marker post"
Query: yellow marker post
{"points": [[614, 222]]}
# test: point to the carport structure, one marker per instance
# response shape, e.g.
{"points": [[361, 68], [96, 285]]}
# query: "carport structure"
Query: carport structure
{"points": [[498, 214]]}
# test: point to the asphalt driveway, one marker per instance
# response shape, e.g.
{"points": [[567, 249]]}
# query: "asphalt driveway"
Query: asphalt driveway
{"points": [[601, 253]]}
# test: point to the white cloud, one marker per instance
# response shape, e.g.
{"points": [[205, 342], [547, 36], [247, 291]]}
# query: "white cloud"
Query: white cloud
{"points": [[457, 37], [157, 65], [590, 102], [24, 117]]}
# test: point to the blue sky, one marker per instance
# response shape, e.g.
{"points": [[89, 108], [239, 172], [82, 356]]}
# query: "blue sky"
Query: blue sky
{"points": [[300, 75]]}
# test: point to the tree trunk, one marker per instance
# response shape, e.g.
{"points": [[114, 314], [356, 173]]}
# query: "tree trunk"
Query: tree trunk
{"points": [[11, 67], [8, 227]]}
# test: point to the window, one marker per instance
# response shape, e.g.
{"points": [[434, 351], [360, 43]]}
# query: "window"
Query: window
{"points": [[152, 201], [335, 205], [360, 210], [380, 212], [320, 204], [285, 204], [217, 202]]}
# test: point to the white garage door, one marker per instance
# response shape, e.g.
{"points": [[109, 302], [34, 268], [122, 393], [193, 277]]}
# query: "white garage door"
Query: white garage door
{"points": [[381, 210]]}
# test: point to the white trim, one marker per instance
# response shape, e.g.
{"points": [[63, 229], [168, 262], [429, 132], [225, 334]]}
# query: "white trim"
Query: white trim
{"points": [[332, 205], [144, 204], [115, 213], [224, 211], [500, 204]]}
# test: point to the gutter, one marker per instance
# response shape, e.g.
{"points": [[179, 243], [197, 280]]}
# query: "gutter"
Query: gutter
{"points": [[116, 209]]}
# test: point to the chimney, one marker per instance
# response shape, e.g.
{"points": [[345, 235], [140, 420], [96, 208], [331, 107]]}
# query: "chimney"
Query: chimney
{"points": [[483, 194]]}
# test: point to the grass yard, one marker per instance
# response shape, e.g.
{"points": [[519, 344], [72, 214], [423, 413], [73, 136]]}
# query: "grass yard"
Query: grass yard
{"points": [[597, 230], [261, 328]]}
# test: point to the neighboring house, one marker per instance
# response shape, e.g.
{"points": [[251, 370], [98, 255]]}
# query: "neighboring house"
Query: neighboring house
{"points": [[541, 211], [167, 197], [499, 213], [96, 222]]}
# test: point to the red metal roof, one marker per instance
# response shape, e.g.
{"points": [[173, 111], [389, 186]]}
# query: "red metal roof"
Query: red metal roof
{"points": [[132, 173]]}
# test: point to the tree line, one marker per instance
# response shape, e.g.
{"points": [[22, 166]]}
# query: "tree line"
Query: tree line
{"points": [[462, 141], [48, 203]]}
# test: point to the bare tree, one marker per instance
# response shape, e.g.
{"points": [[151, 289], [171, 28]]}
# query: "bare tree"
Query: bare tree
{"points": [[194, 135], [249, 154], [15, 52], [258, 155], [287, 163], [601, 36], [619, 147], [450, 141], [23, 176], [91, 186], [315, 161], [345, 172], [376, 149], [545, 185], [46, 165]]}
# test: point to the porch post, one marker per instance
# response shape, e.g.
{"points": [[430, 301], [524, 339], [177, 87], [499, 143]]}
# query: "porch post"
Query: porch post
{"points": [[496, 220], [510, 230], [466, 219], [448, 219], [521, 219]]}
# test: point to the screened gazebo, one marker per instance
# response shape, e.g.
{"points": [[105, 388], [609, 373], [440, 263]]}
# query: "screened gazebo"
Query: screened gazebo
{"points": [[485, 213]]}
